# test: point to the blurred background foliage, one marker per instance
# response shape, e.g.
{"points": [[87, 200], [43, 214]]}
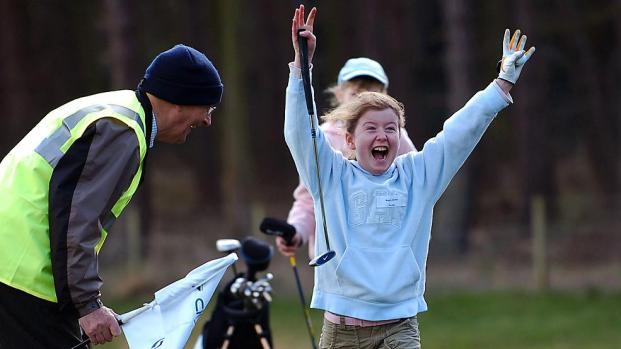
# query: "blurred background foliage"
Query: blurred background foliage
{"points": [[536, 206]]}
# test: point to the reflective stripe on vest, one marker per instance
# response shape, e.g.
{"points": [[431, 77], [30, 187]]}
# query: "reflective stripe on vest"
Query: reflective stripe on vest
{"points": [[50, 150], [108, 221]]}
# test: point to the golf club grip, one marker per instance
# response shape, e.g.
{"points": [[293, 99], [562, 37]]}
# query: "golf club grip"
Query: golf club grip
{"points": [[273, 226], [303, 43]]}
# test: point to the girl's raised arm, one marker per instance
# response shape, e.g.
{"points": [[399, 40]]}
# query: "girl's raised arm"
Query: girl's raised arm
{"points": [[298, 23]]}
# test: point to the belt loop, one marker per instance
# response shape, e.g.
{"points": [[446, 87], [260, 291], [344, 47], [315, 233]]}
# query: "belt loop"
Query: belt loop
{"points": [[342, 320]]}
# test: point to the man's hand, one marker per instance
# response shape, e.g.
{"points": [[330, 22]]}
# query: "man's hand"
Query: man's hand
{"points": [[289, 250], [298, 23], [513, 56], [101, 325]]}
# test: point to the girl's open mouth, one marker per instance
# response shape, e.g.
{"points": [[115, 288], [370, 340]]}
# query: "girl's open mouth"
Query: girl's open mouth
{"points": [[379, 153]]}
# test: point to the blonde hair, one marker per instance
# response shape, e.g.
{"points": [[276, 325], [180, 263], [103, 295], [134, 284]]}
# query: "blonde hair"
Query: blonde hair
{"points": [[358, 84], [350, 112]]}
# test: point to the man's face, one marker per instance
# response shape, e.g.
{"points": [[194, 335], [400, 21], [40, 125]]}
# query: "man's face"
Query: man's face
{"points": [[182, 119], [375, 140]]}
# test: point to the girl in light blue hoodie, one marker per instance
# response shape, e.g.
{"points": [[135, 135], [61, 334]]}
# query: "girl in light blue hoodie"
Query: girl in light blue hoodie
{"points": [[379, 206]]}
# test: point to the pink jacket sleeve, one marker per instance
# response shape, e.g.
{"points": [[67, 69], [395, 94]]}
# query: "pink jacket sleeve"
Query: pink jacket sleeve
{"points": [[302, 217], [405, 143]]}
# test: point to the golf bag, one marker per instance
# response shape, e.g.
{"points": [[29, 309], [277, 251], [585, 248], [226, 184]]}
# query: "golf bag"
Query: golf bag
{"points": [[243, 304]]}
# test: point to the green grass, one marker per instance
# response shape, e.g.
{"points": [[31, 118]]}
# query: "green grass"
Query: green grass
{"points": [[500, 319], [522, 320]]}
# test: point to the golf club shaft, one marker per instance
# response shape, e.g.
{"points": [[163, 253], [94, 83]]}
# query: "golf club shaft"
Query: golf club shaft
{"points": [[302, 41], [83, 343], [309, 325], [323, 210]]}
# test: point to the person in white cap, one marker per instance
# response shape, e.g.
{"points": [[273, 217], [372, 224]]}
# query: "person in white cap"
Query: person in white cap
{"points": [[357, 75]]}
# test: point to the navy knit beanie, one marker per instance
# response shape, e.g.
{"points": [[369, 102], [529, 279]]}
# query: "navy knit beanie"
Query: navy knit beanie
{"points": [[184, 76]]}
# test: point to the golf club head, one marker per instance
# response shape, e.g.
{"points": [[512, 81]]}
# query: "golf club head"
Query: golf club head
{"points": [[277, 227], [257, 255], [322, 259], [228, 245]]}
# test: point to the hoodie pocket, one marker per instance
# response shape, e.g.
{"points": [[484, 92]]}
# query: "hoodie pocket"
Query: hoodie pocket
{"points": [[378, 275]]}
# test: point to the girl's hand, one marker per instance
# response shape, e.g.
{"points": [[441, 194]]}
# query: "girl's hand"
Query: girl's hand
{"points": [[289, 250], [513, 56], [298, 23]]}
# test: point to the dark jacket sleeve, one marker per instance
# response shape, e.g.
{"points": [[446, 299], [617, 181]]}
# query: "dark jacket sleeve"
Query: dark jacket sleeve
{"points": [[85, 184]]}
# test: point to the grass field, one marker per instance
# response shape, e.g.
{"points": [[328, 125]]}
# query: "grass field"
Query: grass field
{"points": [[499, 319]]}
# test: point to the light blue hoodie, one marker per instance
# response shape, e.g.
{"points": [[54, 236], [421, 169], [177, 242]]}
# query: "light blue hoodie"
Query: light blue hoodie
{"points": [[380, 226]]}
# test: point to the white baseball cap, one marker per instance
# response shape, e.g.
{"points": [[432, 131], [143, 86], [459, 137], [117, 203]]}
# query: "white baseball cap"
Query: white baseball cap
{"points": [[362, 66]]}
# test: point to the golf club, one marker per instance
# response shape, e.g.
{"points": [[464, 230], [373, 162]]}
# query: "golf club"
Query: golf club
{"points": [[276, 227], [83, 343], [228, 246], [302, 42]]}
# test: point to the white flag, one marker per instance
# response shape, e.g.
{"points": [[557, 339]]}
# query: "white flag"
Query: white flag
{"points": [[167, 322]]}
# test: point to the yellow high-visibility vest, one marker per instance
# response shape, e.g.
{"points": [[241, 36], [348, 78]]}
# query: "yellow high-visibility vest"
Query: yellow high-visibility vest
{"points": [[25, 174]]}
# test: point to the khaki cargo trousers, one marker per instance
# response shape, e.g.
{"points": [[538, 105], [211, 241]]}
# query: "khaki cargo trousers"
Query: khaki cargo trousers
{"points": [[398, 335]]}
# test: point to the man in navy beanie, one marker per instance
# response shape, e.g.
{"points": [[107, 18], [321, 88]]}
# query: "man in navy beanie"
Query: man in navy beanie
{"points": [[183, 87], [65, 184]]}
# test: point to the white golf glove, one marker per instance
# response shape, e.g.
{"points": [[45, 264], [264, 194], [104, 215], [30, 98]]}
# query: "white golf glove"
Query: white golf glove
{"points": [[513, 56]]}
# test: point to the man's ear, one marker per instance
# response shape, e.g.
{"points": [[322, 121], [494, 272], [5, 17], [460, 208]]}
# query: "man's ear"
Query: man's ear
{"points": [[349, 140]]}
